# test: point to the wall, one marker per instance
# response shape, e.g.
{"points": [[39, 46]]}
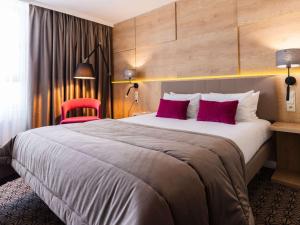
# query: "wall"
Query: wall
{"points": [[204, 37]]}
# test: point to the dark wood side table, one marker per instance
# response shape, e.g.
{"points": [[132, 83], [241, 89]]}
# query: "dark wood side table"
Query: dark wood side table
{"points": [[288, 154]]}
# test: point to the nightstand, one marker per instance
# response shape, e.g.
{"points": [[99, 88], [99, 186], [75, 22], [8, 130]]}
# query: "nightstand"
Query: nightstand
{"points": [[288, 154]]}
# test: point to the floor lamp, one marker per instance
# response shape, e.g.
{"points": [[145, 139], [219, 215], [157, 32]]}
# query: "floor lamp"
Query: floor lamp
{"points": [[85, 71]]}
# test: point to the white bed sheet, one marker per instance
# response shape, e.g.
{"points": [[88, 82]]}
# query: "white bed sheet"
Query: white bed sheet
{"points": [[249, 136]]}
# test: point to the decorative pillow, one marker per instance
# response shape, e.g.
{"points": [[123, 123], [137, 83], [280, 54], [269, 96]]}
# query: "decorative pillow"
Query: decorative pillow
{"points": [[245, 108], [222, 112], [173, 109], [194, 101]]}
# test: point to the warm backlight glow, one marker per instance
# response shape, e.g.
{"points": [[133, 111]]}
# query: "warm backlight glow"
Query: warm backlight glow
{"points": [[214, 77]]}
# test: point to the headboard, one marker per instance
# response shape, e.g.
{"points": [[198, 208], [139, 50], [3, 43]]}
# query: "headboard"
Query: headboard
{"points": [[268, 101]]}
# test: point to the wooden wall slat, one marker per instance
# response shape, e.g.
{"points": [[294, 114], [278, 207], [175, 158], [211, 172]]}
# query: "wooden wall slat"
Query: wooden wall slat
{"points": [[157, 61], [198, 17], [123, 60], [124, 36], [156, 27], [207, 55], [252, 11], [259, 41]]}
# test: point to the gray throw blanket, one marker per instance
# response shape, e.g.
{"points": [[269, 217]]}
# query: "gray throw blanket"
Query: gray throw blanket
{"points": [[110, 172]]}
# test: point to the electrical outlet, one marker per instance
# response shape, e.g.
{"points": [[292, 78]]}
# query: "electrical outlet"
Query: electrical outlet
{"points": [[291, 104]]}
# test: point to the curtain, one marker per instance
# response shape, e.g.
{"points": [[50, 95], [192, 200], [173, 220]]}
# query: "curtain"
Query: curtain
{"points": [[14, 69], [57, 43]]}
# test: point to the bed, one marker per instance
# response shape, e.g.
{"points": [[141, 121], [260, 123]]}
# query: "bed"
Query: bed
{"points": [[145, 170], [253, 138]]}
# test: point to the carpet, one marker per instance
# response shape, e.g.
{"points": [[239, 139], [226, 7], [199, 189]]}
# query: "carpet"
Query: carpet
{"points": [[272, 204]]}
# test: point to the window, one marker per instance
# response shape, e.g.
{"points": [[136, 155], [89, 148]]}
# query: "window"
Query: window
{"points": [[13, 69]]}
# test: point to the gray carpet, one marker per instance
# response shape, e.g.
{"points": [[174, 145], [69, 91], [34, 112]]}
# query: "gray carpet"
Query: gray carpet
{"points": [[272, 204]]}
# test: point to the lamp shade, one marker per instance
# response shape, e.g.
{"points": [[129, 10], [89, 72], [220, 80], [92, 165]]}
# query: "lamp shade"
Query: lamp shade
{"points": [[84, 71], [129, 73], [288, 58]]}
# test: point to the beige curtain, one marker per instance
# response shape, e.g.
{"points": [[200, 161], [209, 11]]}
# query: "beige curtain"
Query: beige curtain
{"points": [[58, 42]]}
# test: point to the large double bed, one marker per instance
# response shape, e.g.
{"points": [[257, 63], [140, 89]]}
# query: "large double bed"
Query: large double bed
{"points": [[146, 170]]}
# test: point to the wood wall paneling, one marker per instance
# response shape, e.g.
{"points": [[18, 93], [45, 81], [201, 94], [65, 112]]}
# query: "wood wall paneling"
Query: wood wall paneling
{"points": [[122, 61], [124, 36], [208, 54], [204, 37], [156, 27], [259, 41], [198, 17], [251, 11], [156, 61], [120, 102]]}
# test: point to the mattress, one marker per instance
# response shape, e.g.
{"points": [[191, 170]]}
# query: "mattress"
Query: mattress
{"points": [[248, 136]]}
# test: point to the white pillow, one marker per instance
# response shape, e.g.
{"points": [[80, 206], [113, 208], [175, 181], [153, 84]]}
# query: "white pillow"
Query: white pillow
{"points": [[194, 101], [228, 97], [247, 106], [253, 103]]}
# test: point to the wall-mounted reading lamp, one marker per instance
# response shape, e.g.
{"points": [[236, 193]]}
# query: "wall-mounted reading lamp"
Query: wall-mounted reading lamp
{"points": [[288, 58], [128, 75], [85, 71]]}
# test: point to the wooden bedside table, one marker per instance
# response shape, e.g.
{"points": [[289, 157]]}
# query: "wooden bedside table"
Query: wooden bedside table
{"points": [[288, 154]]}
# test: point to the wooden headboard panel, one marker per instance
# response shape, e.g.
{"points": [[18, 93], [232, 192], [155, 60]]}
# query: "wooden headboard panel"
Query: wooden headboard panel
{"points": [[268, 102]]}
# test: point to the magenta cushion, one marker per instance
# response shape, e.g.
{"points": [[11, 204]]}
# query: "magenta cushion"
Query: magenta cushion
{"points": [[172, 109], [223, 112]]}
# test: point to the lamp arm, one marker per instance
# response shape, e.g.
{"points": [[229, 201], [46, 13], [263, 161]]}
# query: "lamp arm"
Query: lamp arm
{"points": [[99, 45], [128, 91], [92, 52], [135, 86]]}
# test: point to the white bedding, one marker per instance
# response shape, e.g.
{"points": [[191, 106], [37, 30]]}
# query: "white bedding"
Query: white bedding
{"points": [[249, 136]]}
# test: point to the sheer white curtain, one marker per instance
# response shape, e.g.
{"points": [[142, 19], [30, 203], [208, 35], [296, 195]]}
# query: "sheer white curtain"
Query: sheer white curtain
{"points": [[13, 69]]}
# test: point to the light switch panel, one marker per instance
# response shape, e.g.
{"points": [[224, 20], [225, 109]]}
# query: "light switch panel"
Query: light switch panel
{"points": [[291, 104]]}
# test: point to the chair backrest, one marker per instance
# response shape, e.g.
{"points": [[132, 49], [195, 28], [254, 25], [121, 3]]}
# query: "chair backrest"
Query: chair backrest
{"points": [[80, 103]]}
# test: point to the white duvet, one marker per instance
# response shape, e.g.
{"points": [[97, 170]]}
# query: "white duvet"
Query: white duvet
{"points": [[249, 136]]}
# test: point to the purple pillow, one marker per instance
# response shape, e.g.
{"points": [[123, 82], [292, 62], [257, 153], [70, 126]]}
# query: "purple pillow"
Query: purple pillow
{"points": [[172, 109], [223, 112]]}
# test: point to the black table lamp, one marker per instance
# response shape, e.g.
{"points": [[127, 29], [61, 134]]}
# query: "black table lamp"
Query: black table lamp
{"points": [[288, 58]]}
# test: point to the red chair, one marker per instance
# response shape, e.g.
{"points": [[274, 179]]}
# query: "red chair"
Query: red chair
{"points": [[76, 104]]}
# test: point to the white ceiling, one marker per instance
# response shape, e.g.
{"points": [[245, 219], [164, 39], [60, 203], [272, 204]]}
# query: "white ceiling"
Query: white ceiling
{"points": [[107, 12]]}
